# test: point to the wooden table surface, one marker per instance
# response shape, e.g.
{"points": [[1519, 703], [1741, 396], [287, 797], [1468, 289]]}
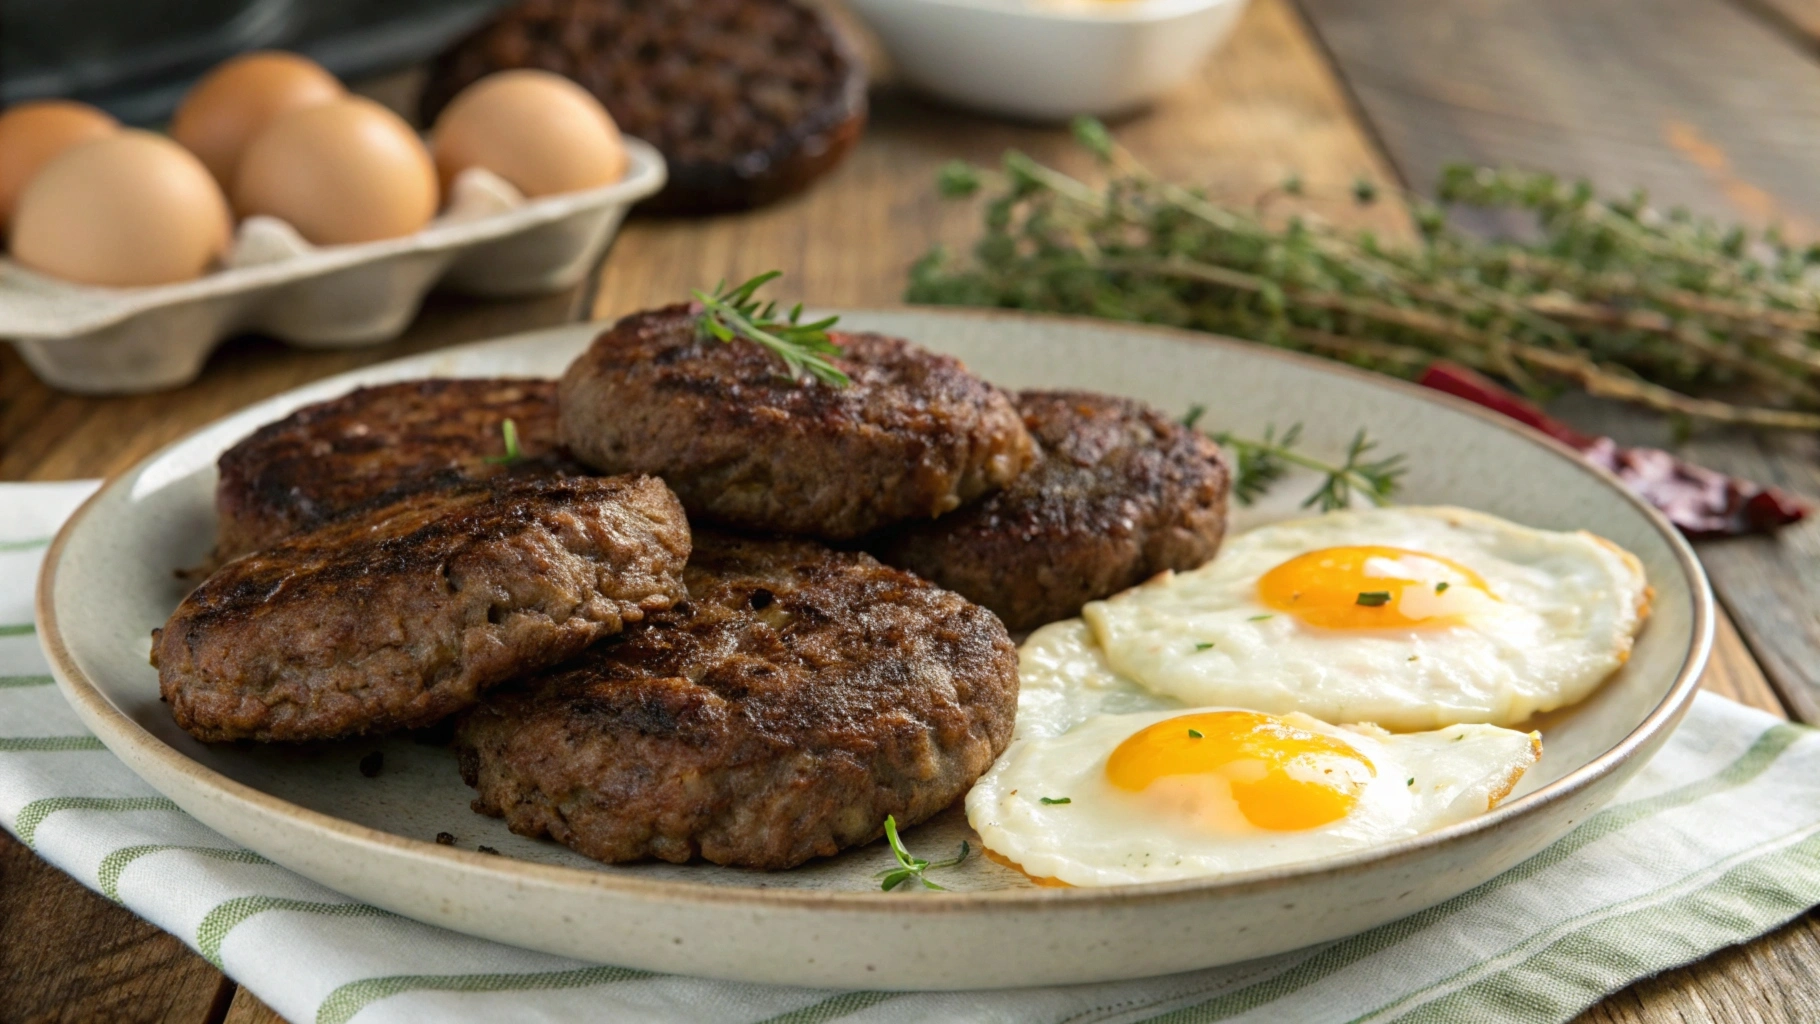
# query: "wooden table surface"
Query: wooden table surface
{"points": [[1709, 102]]}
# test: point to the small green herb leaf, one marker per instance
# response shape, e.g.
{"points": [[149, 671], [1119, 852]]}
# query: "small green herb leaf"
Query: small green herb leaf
{"points": [[1194, 734], [909, 867], [1203, 645], [510, 431], [804, 348], [1057, 800], [1258, 463], [1260, 618], [1412, 782], [1441, 587], [1374, 598]]}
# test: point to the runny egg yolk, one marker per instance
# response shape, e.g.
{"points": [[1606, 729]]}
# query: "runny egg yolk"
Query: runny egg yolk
{"points": [[1372, 587], [1282, 778]]}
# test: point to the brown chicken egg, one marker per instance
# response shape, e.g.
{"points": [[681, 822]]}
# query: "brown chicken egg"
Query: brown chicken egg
{"points": [[129, 209], [344, 171], [31, 134], [232, 104], [537, 130]]}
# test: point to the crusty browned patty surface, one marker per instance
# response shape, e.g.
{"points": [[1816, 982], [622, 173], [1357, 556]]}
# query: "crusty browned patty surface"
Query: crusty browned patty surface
{"points": [[799, 698], [915, 435], [396, 616], [1119, 493], [377, 444]]}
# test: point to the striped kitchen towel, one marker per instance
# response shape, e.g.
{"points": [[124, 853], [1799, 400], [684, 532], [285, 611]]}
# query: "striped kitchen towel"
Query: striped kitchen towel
{"points": [[1716, 841]]}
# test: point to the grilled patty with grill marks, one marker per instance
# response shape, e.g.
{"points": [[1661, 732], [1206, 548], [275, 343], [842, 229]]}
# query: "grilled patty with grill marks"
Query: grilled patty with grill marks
{"points": [[799, 697], [400, 614], [376, 444], [913, 436], [1119, 493]]}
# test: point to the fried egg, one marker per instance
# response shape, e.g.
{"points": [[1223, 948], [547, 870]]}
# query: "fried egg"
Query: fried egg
{"points": [[1189, 793], [1410, 618]]}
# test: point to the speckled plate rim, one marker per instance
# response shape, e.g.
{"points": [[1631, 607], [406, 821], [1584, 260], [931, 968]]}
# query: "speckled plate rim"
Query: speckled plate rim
{"points": [[115, 729]]}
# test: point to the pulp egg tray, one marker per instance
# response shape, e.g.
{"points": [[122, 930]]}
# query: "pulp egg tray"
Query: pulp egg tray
{"points": [[489, 240]]}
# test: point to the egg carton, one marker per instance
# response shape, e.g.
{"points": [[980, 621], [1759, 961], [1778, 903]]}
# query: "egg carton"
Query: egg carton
{"points": [[489, 241]]}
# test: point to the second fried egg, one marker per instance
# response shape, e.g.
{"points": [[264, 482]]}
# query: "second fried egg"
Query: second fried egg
{"points": [[1164, 795], [1411, 618]]}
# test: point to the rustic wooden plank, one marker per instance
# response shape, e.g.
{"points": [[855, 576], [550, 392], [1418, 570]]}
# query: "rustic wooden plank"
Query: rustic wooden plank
{"points": [[1701, 102], [247, 1009], [46, 435], [1799, 18], [1672, 95], [1265, 106], [67, 954], [1776, 978], [1771, 585]]}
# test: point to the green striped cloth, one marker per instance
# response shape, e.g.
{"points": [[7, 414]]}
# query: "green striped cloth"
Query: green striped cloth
{"points": [[1716, 841]]}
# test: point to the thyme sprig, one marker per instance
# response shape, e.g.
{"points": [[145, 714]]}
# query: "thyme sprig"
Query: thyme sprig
{"points": [[909, 867], [509, 431], [804, 348], [1660, 309], [1258, 463]]}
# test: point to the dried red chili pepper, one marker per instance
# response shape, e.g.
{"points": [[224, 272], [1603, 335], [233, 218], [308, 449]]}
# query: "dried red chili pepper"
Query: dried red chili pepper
{"points": [[1700, 501]]}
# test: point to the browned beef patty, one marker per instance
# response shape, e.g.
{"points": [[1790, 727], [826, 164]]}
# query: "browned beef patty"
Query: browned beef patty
{"points": [[743, 445], [799, 698], [1119, 493], [396, 616], [376, 444]]}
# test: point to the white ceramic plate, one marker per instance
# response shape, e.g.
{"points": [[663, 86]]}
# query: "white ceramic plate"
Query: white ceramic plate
{"points": [[108, 582]]}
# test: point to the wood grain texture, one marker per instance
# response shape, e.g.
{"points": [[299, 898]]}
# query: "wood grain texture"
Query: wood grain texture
{"points": [[1266, 105], [1705, 104], [247, 1009], [1770, 585], [48, 435], [1799, 18], [67, 954]]}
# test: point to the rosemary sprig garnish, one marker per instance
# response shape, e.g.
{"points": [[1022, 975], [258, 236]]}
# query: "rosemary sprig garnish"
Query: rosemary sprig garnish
{"points": [[509, 430], [1664, 310], [1258, 463], [804, 348], [909, 867]]}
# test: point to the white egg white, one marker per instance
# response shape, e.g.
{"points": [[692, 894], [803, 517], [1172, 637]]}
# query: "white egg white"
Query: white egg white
{"points": [[1104, 835], [1567, 608], [1063, 680]]}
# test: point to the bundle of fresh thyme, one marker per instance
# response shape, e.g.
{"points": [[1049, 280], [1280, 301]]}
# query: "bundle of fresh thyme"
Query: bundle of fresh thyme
{"points": [[1662, 310]]}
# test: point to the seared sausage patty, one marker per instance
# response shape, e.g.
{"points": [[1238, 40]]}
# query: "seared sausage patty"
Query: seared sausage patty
{"points": [[914, 435], [375, 444], [800, 697], [396, 616], [1119, 493]]}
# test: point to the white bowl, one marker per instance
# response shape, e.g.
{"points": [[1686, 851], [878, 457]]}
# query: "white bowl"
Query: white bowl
{"points": [[490, 241], [1049, 60]]}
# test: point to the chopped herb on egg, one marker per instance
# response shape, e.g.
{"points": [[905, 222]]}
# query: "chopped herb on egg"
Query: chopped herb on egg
{"points": [[1203, 645], [1194, 734], [1058, 800], [1441, 587], [1374, 598], [1412, 782], [1260, 618]]}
